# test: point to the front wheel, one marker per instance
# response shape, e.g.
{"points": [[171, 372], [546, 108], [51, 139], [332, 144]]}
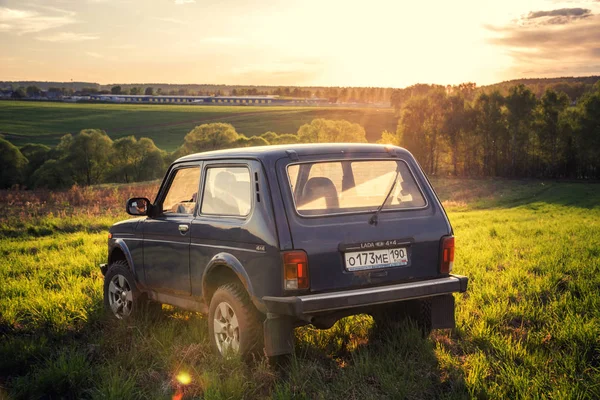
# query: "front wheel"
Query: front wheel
{"points": [[122, 298], [235, 326]]}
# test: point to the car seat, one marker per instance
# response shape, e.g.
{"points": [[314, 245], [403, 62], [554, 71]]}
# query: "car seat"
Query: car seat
{"points": [[320, 187]]}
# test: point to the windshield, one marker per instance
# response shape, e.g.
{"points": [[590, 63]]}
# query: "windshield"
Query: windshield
{"points": [[332, 187]]}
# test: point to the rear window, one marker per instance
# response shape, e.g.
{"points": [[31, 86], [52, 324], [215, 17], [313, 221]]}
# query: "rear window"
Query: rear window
{"points": [[333, 187]]}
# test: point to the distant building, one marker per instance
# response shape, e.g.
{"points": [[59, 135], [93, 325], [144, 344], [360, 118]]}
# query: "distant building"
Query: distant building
{"points": [[53, 95], [209, 100]]}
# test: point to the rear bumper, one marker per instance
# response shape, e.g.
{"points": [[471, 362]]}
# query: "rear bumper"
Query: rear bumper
{"points": [[308, 305]]}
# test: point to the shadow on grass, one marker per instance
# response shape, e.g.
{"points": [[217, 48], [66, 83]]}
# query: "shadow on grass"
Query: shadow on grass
{"points": [[170, 355], [355, 359], [164, 356]]}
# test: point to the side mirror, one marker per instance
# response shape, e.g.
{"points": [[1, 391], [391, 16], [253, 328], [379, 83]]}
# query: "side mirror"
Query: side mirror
{"points": [[138, 206]]}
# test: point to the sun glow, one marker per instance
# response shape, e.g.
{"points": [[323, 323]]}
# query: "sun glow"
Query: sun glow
{"points": [[310, 42]]}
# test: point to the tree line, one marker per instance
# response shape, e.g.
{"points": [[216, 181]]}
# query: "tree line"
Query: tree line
{"points": [[91, 157], [574, 87], [458, 131], [333, 94]]}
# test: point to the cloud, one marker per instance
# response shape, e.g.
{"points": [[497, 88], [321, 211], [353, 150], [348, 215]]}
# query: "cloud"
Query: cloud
{"points": [[549, 49], [578, 35], [180, 2], [557, 17], [27, 21], [67, 37], [563, 12]]}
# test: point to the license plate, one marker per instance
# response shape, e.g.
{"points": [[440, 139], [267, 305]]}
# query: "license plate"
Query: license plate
{"points": [[372, 259]]}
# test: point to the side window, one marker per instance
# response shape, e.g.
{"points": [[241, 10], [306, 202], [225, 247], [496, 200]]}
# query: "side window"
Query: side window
{"points": [[227, 191], [182, 195]]}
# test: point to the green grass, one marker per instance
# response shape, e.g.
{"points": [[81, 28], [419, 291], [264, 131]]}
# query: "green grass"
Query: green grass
{"points": [[528, 327], [25, 122]]}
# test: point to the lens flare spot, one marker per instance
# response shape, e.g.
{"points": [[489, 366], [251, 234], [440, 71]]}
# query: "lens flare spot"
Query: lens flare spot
{"points": [[184, 378]]}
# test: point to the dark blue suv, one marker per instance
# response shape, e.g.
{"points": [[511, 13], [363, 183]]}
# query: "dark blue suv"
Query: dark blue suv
{"points": [[265, 239]]}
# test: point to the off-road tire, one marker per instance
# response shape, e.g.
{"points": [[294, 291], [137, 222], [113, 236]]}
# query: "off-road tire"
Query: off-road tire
{"points": [[138, 299], [250, 320]]}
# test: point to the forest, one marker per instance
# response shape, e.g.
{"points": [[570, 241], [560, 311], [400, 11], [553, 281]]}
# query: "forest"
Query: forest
{"points": [[456, 131]]}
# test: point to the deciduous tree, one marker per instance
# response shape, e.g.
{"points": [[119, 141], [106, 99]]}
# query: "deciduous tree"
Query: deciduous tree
{"points": [[210, 137], [520, 104], [88, 153], [327, 131]]}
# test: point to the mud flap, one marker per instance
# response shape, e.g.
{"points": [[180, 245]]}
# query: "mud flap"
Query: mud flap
{"points": [[278, 335], [442, 312]]}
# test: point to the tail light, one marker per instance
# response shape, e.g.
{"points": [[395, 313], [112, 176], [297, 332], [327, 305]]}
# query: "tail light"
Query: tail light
{"points": [[295, 270], [447, 259]]}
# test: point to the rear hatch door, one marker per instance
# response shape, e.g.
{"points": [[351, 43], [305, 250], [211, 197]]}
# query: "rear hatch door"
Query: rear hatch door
{"points": [[345, 248]]}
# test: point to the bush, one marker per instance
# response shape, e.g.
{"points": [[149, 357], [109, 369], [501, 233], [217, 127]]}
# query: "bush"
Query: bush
{"points": [[53, 174], [37, 154], [12, 165]]}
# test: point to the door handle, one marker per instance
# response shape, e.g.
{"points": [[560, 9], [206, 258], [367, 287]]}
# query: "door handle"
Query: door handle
{"points": [[183, 229]]}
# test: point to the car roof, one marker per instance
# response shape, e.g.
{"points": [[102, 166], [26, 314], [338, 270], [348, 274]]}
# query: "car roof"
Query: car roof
{"points": [[283, 150]]}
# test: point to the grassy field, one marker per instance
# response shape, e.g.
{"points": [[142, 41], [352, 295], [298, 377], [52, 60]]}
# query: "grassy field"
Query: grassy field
{"points": [[528, 327], [39, 122]]}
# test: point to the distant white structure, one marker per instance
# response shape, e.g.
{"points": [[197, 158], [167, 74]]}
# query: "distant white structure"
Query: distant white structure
{"points": [[212, 100]]}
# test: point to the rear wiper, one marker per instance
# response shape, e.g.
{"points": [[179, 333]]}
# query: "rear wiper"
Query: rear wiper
{"points": [[374, 218]]}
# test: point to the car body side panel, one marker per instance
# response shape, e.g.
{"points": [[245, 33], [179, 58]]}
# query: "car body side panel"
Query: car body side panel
{"points": [[166, 254], [277, 207], [252, 241]]}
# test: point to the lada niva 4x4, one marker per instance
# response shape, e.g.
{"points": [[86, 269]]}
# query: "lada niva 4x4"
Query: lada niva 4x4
{"points": [[265, 239]]}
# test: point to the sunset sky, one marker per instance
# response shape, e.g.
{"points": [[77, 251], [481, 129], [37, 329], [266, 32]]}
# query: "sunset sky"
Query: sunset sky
{"points": [[310, 42]]}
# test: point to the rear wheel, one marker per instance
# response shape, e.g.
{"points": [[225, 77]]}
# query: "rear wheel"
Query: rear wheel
{"points": [[235, 326]]}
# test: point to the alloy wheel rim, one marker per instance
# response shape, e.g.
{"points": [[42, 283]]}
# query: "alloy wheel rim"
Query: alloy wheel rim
{"points": [[120, 296], [226, 329]]}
